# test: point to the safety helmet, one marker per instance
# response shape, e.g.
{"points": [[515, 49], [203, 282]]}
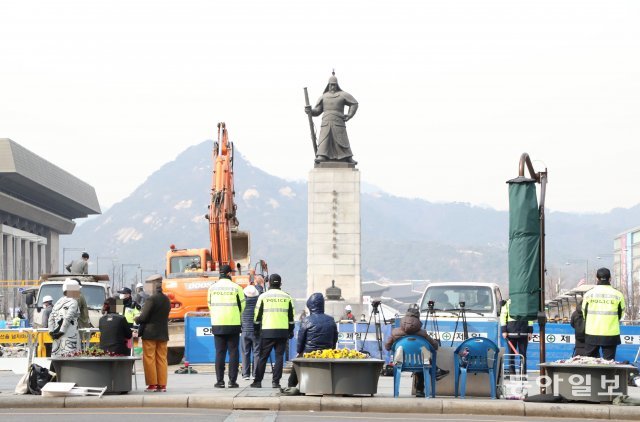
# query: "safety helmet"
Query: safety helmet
{"points": [[47, 298]]}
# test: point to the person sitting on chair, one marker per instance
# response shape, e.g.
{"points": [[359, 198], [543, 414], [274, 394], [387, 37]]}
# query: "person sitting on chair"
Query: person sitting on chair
{"points": [[410, 325]]}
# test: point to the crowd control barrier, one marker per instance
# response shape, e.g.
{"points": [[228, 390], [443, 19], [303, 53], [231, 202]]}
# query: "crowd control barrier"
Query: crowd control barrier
{"points": [[560, 339], [199, 346], [361, 336], [20, 346]]}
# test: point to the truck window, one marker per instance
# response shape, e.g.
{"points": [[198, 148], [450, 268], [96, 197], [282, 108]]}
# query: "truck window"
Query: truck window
{"points": [[476, 298], [53, 290], [94, 295]]}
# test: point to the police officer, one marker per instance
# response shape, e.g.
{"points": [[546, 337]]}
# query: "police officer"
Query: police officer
{"points": [[226, 303], [131, 307], [274, 321], [602, 307], [516, 332]]}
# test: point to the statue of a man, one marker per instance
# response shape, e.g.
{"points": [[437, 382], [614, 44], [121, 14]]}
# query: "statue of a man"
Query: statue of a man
{"points": [[333, 143]]}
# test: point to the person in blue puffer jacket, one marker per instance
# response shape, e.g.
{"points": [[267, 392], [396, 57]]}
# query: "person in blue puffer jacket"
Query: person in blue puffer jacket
{"points": [[318, 331]]}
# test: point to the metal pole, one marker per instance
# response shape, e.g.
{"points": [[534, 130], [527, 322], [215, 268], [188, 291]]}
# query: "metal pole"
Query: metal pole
{"points": [[541, 178], [586, 276]]}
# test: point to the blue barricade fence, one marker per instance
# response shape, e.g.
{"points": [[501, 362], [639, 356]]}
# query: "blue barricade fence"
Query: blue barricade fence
{"points": [[560, 342], [198, 341], [560, 339], [449, 332], [361, 336], [199, 347]]}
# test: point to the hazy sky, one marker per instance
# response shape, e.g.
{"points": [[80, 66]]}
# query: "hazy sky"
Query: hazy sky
{"points": [[451, 93]]}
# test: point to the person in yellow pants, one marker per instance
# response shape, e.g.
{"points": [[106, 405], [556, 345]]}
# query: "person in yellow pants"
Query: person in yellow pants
{"points": [[154, 324]]}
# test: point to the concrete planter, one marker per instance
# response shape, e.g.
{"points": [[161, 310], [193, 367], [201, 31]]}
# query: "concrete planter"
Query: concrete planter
{"points": [[113, 372], [338, 376], [592, 383]]}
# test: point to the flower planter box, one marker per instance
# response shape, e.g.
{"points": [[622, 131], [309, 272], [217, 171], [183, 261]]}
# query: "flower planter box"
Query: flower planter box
{"points": [[338, 376], [115, 373]]}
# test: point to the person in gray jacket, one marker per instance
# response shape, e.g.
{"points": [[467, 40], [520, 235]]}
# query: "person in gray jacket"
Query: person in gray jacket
{"points": [[79, 266], [47, 306], [250, 341]]}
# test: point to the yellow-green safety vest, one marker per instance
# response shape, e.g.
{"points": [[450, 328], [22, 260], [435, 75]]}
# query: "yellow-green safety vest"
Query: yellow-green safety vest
{"points": [[516, 329], [226, 303], [275, 311], [600, 307], [130, 314]]}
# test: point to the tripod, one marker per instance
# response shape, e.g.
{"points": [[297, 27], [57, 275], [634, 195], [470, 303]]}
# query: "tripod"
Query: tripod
{"points": [[375, 316], [434, 323], [462, 315]]}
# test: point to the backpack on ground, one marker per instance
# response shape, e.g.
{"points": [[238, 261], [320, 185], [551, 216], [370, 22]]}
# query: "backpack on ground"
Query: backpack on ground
{"points": [[38, 377]]}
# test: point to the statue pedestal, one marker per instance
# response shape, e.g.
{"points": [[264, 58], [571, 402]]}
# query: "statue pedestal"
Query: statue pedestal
{"points": [[333, 231]]}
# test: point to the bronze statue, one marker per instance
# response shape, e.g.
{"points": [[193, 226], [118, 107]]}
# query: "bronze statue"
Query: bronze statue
{"points": [[333, 144]]}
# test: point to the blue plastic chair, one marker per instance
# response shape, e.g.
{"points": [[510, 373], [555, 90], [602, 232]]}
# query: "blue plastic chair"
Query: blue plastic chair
{"points": [[481, 357], [412, 361]]}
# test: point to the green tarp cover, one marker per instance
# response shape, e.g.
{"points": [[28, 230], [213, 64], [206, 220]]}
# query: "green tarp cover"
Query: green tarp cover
{"points": [[524, 249]]}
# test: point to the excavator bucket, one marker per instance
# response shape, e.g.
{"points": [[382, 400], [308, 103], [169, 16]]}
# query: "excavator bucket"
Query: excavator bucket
{"points": [[240, 247]]}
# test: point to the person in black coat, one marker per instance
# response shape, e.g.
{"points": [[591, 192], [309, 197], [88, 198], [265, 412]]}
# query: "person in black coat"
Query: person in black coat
{"points": [[318, 331], [577, 322], [114, 330], [154, 324]]}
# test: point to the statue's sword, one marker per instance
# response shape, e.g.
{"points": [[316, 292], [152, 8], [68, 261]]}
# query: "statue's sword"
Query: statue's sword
{"points": [[313, 132]]}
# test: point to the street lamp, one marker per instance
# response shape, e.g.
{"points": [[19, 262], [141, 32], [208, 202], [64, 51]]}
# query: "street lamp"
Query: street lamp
{"points": [[64, 252], [112, 258], [586, 261], [122, 272], [617, 270]]}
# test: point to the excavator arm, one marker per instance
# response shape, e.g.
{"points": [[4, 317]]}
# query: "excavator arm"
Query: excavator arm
{"points": [[228, 245]]}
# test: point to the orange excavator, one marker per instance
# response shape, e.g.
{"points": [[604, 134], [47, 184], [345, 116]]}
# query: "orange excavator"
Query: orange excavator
{"points": [[190, 272]]}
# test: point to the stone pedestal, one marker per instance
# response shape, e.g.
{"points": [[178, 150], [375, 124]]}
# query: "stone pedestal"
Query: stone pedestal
{"points": [[333, 242]]}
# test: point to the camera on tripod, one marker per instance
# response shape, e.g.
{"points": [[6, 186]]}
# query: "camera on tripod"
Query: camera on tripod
{"points": [[462, 304], [376, 303], [430, 305]]}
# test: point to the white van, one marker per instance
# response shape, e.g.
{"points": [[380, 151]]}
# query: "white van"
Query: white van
{"points": [[479, 300]]}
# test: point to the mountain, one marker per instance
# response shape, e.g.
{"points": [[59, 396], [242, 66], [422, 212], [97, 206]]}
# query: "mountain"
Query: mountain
{"points": [[402, 238]]}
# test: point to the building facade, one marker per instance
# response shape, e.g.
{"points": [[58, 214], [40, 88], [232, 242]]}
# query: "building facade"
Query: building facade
{"points": [[38, 203]]}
